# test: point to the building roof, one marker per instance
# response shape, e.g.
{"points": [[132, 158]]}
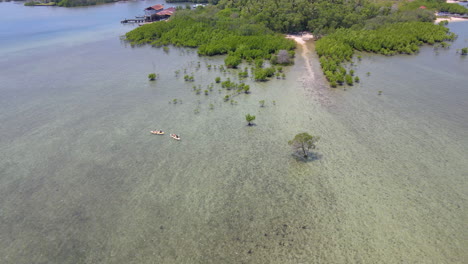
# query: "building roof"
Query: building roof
{"points": [[422, 7], [155, 7], [167, 12]]}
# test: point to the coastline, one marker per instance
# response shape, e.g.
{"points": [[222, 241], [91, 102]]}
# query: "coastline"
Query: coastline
{"points": [[450, 19], [301, 39], [83, 181]]}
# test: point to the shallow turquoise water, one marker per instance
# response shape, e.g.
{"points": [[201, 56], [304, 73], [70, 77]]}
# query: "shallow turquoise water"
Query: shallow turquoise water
{"points": [[83, 181]]}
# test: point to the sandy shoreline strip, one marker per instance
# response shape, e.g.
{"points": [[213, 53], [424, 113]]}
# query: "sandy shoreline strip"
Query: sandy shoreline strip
{"points": [[301, 40], [450, 19]]}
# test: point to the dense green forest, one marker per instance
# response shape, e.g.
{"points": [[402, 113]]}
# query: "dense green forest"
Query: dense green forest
{"points": [[436, 5], [324, 16], [390, 39], [214, 32], [69, 3], [193, 1], [317, 16], [34, 3], [248, 29], [72, 3]]}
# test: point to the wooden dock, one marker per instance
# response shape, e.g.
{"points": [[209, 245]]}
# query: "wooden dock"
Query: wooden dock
{"points": [[158, 15], [133, 20]]}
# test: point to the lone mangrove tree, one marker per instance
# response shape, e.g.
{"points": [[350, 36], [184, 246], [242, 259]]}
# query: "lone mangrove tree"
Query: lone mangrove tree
{"points": [[303, 143]]}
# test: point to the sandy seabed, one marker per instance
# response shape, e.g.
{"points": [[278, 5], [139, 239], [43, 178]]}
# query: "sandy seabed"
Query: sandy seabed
{"points": [[83, 181]]}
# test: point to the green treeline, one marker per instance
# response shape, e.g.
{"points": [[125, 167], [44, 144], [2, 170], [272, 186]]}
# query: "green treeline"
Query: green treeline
{"points": [[436, 5], [193, 1], [214, 32], [464, 51], [318, 16], [248, 29], [389, 39], [419, 15], [322, 17], [72, 3], [33, 3]]}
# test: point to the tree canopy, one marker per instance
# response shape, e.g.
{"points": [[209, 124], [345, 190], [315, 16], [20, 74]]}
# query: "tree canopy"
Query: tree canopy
{"points": [[152, 76], [72, 3], [249, 29], [304, 142], [464, 51], [435, 5], [249, 118], [214, 32], [319, 16], [389, 39]]}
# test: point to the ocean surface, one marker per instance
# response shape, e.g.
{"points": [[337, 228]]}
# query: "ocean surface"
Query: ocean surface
{"points": [[83, 181]]}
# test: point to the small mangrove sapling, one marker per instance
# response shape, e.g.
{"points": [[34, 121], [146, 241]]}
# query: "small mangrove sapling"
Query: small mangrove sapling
{"points": [[464, 51], [249, 118], [152, 76]]}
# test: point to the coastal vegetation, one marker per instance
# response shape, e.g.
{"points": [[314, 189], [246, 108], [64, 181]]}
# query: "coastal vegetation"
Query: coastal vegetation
{"points": [[152, 76], [303, 143], [434, 5], [72, 3], [318, 16], [262, 74], [283, 58], [214, 32], [231, 87], [249, 118], [464, 51], [68, 3], [176, 101], [193, 1], [189, 78], [389, 39], [37, 3], [443, 22], [232, 60], [249, 30]]}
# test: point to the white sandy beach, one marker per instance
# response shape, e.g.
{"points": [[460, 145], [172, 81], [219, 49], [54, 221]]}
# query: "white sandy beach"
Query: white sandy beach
{"points": [[300, 39], [450, 19]]}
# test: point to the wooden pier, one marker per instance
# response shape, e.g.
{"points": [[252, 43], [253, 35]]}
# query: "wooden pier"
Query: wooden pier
{"points": [[157, 14], [134, 20]]}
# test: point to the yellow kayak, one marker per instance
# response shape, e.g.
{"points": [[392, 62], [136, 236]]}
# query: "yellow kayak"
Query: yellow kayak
{"points": [[157, 132]]}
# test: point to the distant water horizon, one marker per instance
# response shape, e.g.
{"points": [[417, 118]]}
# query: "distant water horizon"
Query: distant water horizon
{"points": [[83, 181]]}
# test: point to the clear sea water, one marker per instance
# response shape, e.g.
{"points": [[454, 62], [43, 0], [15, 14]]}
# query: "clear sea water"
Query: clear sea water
{"points": [[83, 181]]}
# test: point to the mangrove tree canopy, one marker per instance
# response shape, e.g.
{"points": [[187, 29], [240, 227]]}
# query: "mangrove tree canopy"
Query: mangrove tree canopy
{"points": [[214, 32]]}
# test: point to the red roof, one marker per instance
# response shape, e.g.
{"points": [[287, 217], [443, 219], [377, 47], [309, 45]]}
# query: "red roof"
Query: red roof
{"points": [[155, 7], [422, 7], [167, 12]]}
